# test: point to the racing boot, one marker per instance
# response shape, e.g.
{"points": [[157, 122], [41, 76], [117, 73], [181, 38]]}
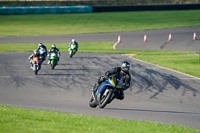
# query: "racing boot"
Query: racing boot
{"points": [[116, 94], [48, 62], [31, 65]]}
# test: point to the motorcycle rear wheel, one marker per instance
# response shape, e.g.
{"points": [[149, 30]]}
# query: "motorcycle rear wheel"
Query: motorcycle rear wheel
{"points": [[92, 103]]}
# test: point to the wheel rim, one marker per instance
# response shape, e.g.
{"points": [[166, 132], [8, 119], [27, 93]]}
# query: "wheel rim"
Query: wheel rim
{"points": [[103, 98]]}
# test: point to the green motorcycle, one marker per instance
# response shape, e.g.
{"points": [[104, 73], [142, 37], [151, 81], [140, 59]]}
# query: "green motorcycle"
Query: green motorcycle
{"points": [[53, 59]]}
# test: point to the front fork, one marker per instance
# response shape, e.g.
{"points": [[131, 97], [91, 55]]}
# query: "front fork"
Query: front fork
{"points": [[112, 98], [38, 66], [93, 91]]}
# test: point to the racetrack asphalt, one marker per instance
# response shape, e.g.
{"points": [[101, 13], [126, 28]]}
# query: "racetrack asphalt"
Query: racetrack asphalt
{"points": [[156, 93], [182, 39]]}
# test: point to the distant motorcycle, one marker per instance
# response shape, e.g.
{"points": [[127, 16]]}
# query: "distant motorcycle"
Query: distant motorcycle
{"points": [[72, 50], [53, 59], [35, 65], [43, 54], [106, 92]]}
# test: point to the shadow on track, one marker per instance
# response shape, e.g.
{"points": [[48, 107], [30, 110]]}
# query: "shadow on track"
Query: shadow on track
{"points": [[66, 64], [154, 111], [156, 82], [62, 74], [69, 69]]}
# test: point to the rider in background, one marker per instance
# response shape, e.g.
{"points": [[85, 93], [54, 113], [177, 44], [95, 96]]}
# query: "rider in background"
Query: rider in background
{"points": [[35, 54], [53, 49], [42, 50], [73, 42], [124, 72], [41, 45]]}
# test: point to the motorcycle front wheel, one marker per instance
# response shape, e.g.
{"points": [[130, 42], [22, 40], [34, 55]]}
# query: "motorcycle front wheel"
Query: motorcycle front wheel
{"points": [[53, 65], [35, 67], [105, 98]]}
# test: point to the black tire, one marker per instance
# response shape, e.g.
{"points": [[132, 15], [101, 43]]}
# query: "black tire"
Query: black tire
{"points": [[36, 71], [71, 56], [92, 103], [104, 100], [53, 65]]}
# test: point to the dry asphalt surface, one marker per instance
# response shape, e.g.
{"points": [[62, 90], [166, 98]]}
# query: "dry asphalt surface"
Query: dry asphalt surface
{"points": [[156, 93]]}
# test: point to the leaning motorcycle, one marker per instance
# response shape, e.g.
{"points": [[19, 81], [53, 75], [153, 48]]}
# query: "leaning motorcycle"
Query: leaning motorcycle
{"points": [[35, 65], [43, 54], [106, 92], [72, 50], [53, 59]]}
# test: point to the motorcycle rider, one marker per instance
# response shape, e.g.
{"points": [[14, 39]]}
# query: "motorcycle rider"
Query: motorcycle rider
{"points": [[74, 42], [123, 70], [35, 54], [42, 47], [53, 49]]}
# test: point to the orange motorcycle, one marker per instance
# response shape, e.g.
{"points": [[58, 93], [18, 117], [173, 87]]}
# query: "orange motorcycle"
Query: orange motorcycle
{"points": [[35, 65]]}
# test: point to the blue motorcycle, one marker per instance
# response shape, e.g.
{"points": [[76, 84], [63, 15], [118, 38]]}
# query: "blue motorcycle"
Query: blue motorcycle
{"points": [[106, 92], [43, 54]]}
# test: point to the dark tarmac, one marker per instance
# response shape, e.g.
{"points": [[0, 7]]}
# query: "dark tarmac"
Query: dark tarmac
{"points": [[156, 94]]}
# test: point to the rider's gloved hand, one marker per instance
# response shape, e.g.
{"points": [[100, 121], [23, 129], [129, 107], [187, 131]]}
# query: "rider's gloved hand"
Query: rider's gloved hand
{"points": [[102, 78], [107, 73]]}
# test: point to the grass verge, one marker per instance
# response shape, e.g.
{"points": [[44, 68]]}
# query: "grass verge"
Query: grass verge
{"points": [[186, 62], [28, 120], [61, 24]]}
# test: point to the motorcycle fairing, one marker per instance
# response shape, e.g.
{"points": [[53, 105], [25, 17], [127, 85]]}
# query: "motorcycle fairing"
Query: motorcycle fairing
{"points": [[35, 62], [103, 86], [53, 56], [72, 46], [42, 52], [117, 83]]}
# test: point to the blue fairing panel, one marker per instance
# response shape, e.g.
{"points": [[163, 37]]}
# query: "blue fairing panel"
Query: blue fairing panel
{"points": [[103, 86]]}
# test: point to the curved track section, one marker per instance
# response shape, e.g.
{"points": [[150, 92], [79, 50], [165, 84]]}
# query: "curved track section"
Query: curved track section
{"points": [[156, 94], [182, 39]]}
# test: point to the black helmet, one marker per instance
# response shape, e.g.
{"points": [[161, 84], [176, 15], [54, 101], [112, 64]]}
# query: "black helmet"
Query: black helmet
{"points": [[40, 44], [125, 66]]}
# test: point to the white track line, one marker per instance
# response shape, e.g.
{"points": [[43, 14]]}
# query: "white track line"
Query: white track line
{"points": [[191, 77], [114, 46]]}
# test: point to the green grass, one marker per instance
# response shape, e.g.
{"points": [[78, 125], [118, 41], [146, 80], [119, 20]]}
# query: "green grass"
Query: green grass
{"points": [[26, 120], [63, 47], [186, 62], [183, 62], [14, 120], [60, 24]]}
